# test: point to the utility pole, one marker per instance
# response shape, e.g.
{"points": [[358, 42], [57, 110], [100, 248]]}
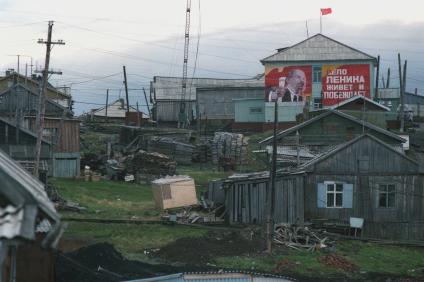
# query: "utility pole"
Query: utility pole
{"points": [[126, 89], [402, 121], [403, 96], [138, 116], [147, 102], [388, 78], [377, 76], [271, 190], [107, 103], [41, 98]]}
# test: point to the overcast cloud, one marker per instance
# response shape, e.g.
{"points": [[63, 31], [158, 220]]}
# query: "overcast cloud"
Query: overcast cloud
{"points": [[147, 37]]}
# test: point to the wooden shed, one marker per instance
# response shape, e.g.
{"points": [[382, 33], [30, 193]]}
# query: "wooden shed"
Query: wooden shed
{"points": [[246, 200], [174, 192], [64, 134]]}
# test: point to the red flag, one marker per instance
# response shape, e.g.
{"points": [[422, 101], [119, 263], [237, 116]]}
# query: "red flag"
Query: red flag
{"points": [[326, 11]]}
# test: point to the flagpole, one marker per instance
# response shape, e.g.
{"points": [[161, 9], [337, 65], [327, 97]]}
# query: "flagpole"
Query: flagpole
{"points": [[320, 21]]}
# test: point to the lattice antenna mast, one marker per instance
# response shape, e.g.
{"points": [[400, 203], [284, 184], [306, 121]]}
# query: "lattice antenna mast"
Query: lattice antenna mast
{"points": [[183, 118]]}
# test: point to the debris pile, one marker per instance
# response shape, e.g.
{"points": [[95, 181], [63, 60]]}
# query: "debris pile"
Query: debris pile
{"points": [[337, 261], [230, 146], [143, 162], [191, 216], [180, 152], [298, 237]]}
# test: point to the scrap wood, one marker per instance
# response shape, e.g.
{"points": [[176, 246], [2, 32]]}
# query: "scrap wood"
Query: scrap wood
{"points": [[338, 261], [298, 237]]}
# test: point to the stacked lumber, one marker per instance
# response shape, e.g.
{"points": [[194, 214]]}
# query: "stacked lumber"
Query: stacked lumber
{"points": [[149, 163], [299, 237], [233, 146]]}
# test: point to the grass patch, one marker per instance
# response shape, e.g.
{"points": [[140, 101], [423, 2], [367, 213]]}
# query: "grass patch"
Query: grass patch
{"points": [[108, 199], [130, 239]]}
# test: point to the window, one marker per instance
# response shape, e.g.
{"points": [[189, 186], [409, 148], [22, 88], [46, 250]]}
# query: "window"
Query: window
{"points": [[317, 103], [386, 195], [334, 195], [317, 74], [255, 110]]}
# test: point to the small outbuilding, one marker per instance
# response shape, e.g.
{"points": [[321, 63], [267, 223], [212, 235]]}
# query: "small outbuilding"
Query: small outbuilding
{"points": [[174, 192]]}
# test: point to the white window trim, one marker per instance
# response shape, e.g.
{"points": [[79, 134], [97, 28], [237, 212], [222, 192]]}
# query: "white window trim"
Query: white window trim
{"points": [[326, 183]]}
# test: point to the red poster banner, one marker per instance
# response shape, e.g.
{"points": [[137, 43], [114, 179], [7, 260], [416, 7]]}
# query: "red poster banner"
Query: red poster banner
{"points": [[341, 82], [288, 84]]}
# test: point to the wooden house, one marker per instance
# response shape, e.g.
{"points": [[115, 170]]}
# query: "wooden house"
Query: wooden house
{"points": [[32, 83], [369, 179], [20, 100], [362, 108], [29, 225], [331, 128], [113, 112], [174, 192], [363, 178]]}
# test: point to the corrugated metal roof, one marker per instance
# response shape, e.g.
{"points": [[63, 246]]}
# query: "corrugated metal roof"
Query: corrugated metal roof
{"points": [[28, 184], [170, 88], [318, 48]]}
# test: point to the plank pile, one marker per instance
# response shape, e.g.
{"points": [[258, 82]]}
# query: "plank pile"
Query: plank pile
{"points": [[230, 146], [149, 163], [298, 237]]}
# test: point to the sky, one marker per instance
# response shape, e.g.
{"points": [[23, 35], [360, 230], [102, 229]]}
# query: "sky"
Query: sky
{"points": [[227, 38]]}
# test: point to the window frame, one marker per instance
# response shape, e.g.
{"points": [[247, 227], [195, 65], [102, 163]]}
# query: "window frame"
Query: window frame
{"points": [[317, 74], [386, 193], [335, 193]]}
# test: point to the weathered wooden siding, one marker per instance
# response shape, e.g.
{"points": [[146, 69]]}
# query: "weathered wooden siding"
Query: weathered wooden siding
{"points": [[66, 164], [20, 99], [67, 133], [379, 222], [367, 156], [167, 111], [246, 201]]}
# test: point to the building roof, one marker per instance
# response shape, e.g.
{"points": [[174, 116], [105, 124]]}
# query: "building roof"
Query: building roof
{"points": [[116, 109], [27, 195], [330, 112], [359, 97], [170, 88], [342, 146], [318, 48], [35, 83], [32, 92]]}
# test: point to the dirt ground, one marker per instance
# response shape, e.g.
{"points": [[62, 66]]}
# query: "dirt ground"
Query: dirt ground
{"points": [[200, 251]]}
